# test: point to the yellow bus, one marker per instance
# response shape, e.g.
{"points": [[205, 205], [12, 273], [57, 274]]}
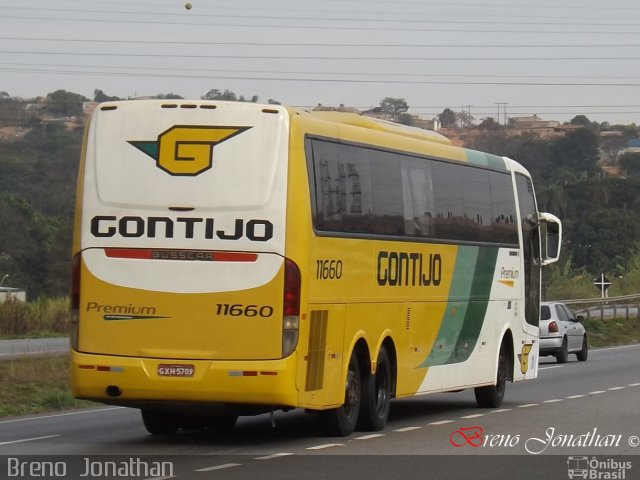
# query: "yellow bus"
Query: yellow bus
{"points": [[235, 258]]}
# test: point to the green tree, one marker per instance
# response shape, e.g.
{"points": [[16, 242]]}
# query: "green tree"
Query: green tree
{"points": [[464, 118], [489, 123], [581, 120], [447, 118], [100, 96], [577, 151], [394, 106], [228, 95], [65, 104], [168, 96]]}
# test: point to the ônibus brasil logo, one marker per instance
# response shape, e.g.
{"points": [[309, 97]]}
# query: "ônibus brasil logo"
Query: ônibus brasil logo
{"points": [[186, 150]]}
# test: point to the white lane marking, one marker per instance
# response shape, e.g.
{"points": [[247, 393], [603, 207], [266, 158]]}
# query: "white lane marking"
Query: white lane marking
{"points": [[441, 422], [596, 350], [597, 392], [528, 405], [550, 367], [326, 445], [22, 440], [501, 410], [218, 467], [369, 437], [634, 385], [576, 396], [275, 455], [100, 410], [475, 415], [554, 400], [616, 388], [406, 429]]}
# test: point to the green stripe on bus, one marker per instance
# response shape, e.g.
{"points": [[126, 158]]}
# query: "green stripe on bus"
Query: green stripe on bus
{"points": [[460, 328], [455, 312], [486, 160], [477, 307]]}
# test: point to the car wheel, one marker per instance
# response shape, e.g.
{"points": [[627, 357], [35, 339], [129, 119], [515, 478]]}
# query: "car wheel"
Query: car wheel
{"points": [[584, 352], [563, 355]]}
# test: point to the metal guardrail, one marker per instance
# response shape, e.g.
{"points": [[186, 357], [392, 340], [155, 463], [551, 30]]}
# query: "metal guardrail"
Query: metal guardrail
{"points": [[591, 301], [627, 306]]}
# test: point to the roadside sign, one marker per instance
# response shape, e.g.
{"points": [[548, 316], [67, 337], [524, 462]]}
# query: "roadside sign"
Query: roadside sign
{"points": [[602, 283]]}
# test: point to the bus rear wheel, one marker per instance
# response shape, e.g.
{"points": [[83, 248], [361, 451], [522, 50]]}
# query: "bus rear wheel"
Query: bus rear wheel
{"points": [[491, 396], [376, 395], [160, 423], [220, 423], [341, 421]]}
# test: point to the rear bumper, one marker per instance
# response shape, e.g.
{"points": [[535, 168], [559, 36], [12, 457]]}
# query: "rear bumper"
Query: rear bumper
{"points": [[136, 382], [550, 345]]}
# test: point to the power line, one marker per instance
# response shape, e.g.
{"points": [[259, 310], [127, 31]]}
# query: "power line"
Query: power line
{"points": [[324, 27], [318, 72], [385, 12], [306, 57], [315, 80], [322, 44], [67, 11], [505, 5]]}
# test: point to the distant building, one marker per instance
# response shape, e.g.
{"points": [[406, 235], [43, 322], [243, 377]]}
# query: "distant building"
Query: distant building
{"points": [[532, 122], [8, 293]]}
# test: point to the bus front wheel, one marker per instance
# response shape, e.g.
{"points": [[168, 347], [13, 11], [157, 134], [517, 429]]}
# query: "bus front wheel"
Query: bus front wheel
{"points": [[491, 396], [341, 421]]}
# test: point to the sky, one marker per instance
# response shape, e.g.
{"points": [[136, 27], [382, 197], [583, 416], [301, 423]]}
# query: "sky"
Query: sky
{"points": [[492, 58]]}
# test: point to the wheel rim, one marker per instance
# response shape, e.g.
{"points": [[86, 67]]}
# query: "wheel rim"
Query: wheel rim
{"points": [[352, 394], [382, 390]]}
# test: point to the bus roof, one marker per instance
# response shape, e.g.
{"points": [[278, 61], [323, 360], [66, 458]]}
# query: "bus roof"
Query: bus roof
{"points": [[354, 119]]}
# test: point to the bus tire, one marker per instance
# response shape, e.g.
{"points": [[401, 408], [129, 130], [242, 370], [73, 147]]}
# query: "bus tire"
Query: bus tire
{"points": [[341, 421], [376, 395], [160, 423], [491, 396], [220, 423]]}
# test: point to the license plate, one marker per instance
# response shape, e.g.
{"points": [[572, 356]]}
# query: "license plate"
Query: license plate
{"points": [[175, 370]]}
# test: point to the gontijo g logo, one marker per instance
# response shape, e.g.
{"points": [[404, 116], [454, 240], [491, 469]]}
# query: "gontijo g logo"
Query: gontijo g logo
{"points": [[186, 150]]}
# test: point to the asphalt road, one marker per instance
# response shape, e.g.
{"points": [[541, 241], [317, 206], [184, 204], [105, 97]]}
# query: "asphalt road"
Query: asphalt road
{"points": [[33, 347], [572, 414]]}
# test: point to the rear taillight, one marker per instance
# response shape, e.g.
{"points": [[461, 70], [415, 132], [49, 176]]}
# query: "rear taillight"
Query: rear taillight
{"points": [[75, 301], [553, 326], [291, 308]]}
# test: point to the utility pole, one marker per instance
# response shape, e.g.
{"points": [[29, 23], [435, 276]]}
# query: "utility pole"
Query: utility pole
{"points": [[504, 104]]}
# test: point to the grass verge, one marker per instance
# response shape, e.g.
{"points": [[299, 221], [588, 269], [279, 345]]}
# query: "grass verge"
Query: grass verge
{"points": [[611, 332], [36, 385]]}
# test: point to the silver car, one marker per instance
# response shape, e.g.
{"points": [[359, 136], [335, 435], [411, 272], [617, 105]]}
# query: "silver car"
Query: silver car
{"points": [[562, 333]]}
